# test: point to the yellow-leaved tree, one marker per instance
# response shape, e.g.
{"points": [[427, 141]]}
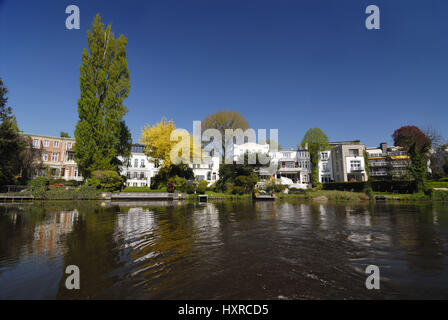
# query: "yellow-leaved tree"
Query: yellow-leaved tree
{"points": [[167, 145]]}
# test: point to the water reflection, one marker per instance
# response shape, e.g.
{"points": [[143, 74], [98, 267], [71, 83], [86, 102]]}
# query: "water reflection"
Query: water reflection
{"points": [[232, 250]]}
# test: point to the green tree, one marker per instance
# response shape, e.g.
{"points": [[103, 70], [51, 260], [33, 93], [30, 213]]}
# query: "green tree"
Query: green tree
{"points": [[238, 178], [170, 172], [101, 134], [11, 143], [317, 141], [106, 180], [418, 166], [64, 134]]}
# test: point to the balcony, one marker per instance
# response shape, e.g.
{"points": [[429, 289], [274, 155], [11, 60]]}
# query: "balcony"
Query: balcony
{"points": [[286, 169], [356, 169], [378, 164], [379, 173], [399, 164], [377, 155]]}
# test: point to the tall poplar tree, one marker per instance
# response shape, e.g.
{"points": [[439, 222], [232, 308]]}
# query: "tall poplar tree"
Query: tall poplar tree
{"points": [[101, 134], [16, 152]]}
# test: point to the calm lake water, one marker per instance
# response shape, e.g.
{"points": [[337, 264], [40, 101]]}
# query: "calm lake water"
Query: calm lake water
{"points": [[223, 250]]}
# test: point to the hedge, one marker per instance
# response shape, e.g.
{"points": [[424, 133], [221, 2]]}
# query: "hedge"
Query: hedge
{"points": [[439, 195]]}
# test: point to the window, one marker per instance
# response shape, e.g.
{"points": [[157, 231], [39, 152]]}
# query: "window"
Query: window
{"points": [[128, 175], [214, 175], [355, 164], [209, 175], [46, 143], [142, 163], [136, 163], [36, 143], [142, 175], [76, 172], [353, 152], [69, 145], [45, 157], [288, 164], [325, 166], [55, 156], [56, 144], [286, 154], [134, 175]]}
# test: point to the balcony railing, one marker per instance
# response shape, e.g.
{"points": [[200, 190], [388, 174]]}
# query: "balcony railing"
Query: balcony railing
{"points": [[376, 155], [379, 173], [287, 169], [399, 164], [378, 164]]}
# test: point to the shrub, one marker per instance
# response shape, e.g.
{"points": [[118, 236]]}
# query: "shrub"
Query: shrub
{"points": [[180, 184], [202, 187], [238, 190], [39, 182], [170, 185], [212, 188], [138, 189], [57, 181], [106, 180], [439, 195], [274, 186], [165, 173], [246, 182], [86, 192], [73, 183], [58, 185], [191, 188]]}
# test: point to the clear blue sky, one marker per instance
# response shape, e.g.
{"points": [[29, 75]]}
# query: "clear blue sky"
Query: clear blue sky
{"points": [[289, 65]]}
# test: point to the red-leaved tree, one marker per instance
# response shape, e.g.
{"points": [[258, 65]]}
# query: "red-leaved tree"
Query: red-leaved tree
{"points": [[407, 135]]}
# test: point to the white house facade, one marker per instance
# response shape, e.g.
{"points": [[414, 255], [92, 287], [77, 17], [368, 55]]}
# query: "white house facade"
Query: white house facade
{"points": [[207, 170], [325, 167], [138, 168], [293, 167]]}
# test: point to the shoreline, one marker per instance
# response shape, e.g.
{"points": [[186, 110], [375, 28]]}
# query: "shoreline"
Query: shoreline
{"points": [[317, 196]]}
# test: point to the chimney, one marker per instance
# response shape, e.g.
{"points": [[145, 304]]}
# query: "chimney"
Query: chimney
{"points": [[383, 146]]}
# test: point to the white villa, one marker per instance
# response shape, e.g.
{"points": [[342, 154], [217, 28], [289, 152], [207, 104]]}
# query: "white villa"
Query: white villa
{"points": [[292, 167], [139, 169], [325, 167]]}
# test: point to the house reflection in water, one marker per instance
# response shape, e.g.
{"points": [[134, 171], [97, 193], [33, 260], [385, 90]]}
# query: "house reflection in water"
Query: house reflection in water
{"points": [[47, 235]]}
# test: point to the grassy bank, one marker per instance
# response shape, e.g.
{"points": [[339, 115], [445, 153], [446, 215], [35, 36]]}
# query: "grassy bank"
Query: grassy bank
{"points": [[329, 194]]}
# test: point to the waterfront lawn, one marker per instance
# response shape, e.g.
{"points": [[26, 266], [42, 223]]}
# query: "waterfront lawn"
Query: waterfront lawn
{"points": [[437, 184], [141, 189], [404, 196], [329, 194]]}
